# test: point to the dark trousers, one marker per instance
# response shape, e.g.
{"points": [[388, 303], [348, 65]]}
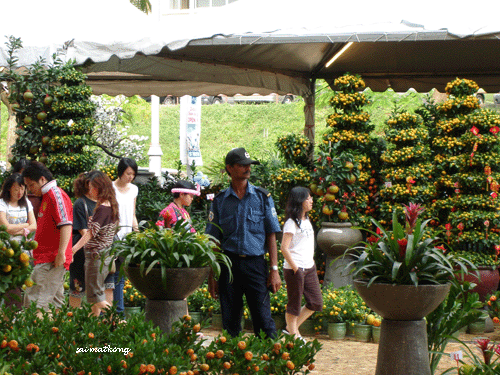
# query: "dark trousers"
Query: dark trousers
{"points": [[249, 279]]}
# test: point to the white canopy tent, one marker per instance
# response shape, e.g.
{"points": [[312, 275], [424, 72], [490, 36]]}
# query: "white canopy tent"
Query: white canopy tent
{"points": [[263, 46]]}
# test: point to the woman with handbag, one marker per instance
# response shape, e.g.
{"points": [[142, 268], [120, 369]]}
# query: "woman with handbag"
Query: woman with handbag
{"points": [[98, 239]]}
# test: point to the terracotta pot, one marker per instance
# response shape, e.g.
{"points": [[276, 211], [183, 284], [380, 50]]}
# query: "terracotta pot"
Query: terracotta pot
{"points": [[335, 238], [487, 282], [180, 282], [402, 302]]}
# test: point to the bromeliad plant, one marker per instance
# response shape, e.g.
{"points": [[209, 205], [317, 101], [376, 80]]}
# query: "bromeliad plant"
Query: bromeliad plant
{"points": [[406, 255], [175, 247], [487, 363]]}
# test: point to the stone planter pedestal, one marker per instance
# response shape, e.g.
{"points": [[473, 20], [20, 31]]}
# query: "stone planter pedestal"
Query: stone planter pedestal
{"points": [[403, 338], [166, 301]]}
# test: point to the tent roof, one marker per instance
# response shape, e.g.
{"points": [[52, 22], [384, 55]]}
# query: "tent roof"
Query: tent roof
{"points": [[268, 45]]}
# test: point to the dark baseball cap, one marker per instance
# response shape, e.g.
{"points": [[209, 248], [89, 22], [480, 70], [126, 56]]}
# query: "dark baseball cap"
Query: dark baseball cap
{"points": [[239, 156]]}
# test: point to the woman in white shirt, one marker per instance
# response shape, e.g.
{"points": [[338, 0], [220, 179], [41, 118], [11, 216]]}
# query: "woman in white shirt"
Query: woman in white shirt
{"points": [[16, 213], [299, 270], [126, 196]]}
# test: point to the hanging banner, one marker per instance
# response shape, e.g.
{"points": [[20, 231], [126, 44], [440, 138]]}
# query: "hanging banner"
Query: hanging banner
{"points": [[190, 130]]}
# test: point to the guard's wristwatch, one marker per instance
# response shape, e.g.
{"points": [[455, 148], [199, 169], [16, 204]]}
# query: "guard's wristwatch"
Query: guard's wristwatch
{"points": [[274, 268]]}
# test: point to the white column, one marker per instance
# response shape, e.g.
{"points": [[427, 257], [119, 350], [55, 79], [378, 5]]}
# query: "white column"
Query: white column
{"points": [[155, 152]]}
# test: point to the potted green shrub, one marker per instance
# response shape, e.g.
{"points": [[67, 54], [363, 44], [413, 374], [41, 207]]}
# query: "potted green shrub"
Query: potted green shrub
{"points": [[133, 300], [403, 275], [170, 263]]}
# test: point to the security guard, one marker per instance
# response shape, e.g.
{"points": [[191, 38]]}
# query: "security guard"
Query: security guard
{"points": [[244, 221]]}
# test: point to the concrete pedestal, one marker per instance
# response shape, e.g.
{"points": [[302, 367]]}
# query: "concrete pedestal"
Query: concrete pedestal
{"points": [[164, 313], [337, 272], [403, 348]]}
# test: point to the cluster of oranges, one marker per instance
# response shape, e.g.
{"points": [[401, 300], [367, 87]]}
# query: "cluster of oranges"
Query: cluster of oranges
{"points": [[349, 82], [461, 87], [14, 261]]}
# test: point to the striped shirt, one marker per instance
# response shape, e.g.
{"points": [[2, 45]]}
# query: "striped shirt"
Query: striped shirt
{"points": [[103, 230]]}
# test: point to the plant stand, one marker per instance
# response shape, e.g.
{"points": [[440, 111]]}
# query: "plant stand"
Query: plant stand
{"points": [[403, 338], [403, 348], [164, 313], [166, 301]]}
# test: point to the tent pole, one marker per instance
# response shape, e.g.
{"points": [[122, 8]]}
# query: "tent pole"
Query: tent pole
{"points": [[155, 152], [309, 114]]}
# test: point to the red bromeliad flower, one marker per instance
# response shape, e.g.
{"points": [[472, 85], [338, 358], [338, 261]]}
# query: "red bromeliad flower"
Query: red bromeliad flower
{"points": [[373, 239], [441, 247], [487, 349], [412, 211], [474, 130], [494, 130], [402, 247]]}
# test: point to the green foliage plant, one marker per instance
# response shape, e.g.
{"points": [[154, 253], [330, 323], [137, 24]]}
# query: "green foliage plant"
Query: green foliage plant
{"points": [[460, 308], [199, 300], [295, 149], [467, 173], [493, 306], [131, 296], [486, 363], [54, 116], [343, 305], [63, 341], [15, 268], [175, 247], [406, 165], [405, 255], [345, 142]]}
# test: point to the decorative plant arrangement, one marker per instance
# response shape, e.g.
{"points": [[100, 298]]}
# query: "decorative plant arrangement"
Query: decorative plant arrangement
{"points": [[344, 155], [15, 268], [343, 305], [405, 255], [173, 247], [54, 116], [278, 302], [335, 182], [407, 170], [68, 342], [493, 306], [200, 300], [487, 362], [295, 149], [465, 145], [131, 296]]}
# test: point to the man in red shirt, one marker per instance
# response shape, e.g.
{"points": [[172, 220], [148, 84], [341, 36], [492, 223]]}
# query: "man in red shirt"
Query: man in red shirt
{"points": [[54, 230]]}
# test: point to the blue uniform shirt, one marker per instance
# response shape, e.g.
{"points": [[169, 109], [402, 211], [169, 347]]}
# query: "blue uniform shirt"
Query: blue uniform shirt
{"points": [[241, 225]]}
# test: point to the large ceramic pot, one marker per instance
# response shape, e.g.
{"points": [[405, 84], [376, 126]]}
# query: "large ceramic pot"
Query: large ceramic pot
{"points": [[402, 302], [486, 283], [180, 282], [335, 238]]}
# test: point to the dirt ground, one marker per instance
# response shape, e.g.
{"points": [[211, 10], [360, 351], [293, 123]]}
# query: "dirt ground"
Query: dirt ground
{"points": [[350, 357]]}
